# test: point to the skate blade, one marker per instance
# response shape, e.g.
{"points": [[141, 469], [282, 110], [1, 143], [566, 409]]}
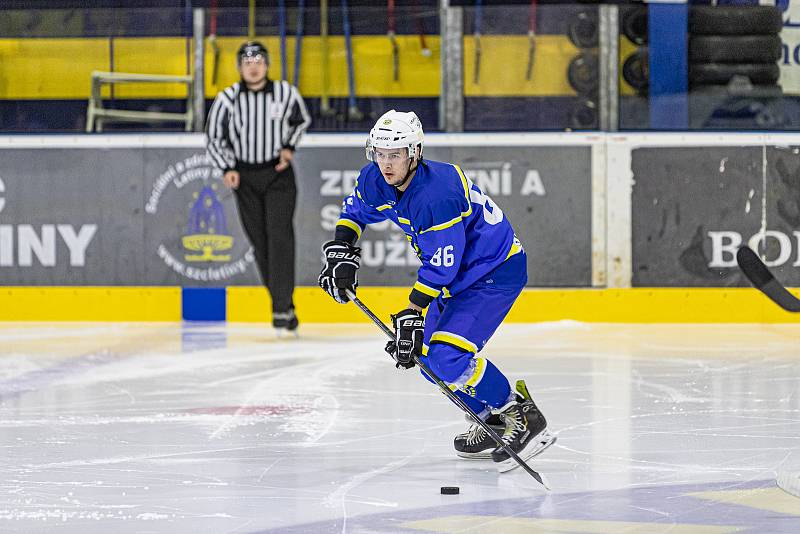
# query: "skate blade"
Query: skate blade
{"points": [[534, 448], [475, 455], [285, 333]]}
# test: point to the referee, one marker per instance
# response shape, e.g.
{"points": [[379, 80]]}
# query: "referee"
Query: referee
{"points": [[252, 130]]}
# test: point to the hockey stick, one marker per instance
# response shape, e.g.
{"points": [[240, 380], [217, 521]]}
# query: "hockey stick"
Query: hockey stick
{"points": [[476, 37], [392, 35], [298, 41], [282, 34], [353, 113], [531, 40], [758, 274], [212, 40], [324, 102], [426, 52], [452, 396], [251, 19], [189, 32]]}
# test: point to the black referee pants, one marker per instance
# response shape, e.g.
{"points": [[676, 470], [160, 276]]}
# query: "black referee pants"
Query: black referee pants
{"points": [[266, 200]]}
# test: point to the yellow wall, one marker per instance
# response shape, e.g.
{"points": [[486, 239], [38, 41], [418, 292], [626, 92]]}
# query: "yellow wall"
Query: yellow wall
{"points": [[251, 304], [635, 305], [504, 62], [61, 68], [50, 68], [90, 304]]}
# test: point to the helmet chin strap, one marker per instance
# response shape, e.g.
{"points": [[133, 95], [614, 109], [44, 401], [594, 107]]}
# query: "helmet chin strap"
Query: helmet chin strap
{"points": [[408, 175]]}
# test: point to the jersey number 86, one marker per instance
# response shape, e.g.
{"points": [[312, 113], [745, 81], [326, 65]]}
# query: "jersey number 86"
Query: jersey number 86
{"points": [[443, 256]]}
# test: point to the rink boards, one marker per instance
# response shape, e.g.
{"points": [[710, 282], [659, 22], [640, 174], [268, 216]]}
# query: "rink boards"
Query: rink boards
{"points": [[629, 228], [251, 304]]}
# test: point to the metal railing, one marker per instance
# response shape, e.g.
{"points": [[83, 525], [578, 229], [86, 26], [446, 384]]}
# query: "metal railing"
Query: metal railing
{"points": [[97, 115]]}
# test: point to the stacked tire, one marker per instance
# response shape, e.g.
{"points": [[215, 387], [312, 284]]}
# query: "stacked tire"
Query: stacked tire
{"points": [[635, 67], [583, 72], [733, 65]]}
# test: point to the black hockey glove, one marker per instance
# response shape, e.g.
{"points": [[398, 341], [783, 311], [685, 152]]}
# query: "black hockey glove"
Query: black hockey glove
{"points": [[409, 326], [340, 271]]}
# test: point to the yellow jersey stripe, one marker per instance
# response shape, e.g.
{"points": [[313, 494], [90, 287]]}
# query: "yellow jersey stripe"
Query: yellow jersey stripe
{"points": [[477, 374], [383, 207], [455, 340], [350, 224], [464, 214], [422, 288], [465, 184], [515, 249], [404, 220], [448, 224]]}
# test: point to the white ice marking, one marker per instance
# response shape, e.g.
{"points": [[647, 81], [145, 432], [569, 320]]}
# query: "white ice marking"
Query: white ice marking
{"points": [[270, 466], [283, 383], [151, 516], [123, 459], [337, 498], [674, 394]]}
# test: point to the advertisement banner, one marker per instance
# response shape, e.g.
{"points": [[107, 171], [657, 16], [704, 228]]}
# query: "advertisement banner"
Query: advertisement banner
{"points": [[70, 217], [544, 191], [790, 37], [192, 235], [694, 206], [161, 216]]}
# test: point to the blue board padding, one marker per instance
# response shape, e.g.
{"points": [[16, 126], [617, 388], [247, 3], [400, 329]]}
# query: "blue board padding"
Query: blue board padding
{"points": [[203, 303], [669, 68]]}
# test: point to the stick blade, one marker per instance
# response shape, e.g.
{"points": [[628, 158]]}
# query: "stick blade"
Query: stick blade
{"points": [[753, 268], [763, 280]]}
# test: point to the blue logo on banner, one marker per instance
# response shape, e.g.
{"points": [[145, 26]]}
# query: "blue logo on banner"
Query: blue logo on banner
{"points": [[207, 229]]}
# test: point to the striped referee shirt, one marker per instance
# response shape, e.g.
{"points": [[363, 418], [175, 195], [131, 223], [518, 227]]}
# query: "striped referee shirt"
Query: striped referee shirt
{"points": [[253, 126]]}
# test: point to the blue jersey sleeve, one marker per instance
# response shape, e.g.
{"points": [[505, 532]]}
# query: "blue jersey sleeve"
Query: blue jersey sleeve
{"points": [[356, 214], [442, 243]]}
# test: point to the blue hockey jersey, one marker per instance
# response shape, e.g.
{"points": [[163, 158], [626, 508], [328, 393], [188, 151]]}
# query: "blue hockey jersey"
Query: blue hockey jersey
{"points": [[457, 231]]}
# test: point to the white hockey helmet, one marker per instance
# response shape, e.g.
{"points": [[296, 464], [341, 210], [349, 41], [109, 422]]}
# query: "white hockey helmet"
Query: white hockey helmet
{"points": [[396, 129]]}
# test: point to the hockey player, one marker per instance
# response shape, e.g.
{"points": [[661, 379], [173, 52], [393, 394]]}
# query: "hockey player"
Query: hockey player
{"points": [[473, 269]]}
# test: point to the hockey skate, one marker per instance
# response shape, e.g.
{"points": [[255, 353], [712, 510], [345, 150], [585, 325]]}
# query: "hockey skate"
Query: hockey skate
{"points": [[525, 430], [476, 443], [285, 324]]}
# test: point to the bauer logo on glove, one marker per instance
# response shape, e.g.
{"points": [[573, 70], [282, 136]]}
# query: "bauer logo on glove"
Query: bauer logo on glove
{"points": [[340, 272], [409, 327], [412, 323], [349, 256]]}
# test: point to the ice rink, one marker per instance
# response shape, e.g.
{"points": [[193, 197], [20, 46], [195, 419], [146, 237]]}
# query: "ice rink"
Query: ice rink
{"points": [[117, 428]]}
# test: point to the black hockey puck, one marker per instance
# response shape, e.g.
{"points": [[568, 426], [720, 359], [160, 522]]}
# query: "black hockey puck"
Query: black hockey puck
{"points": [[450, 490]]}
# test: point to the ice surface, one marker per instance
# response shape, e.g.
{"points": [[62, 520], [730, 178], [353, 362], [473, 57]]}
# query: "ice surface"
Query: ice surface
{"points": [[224, 428]]}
